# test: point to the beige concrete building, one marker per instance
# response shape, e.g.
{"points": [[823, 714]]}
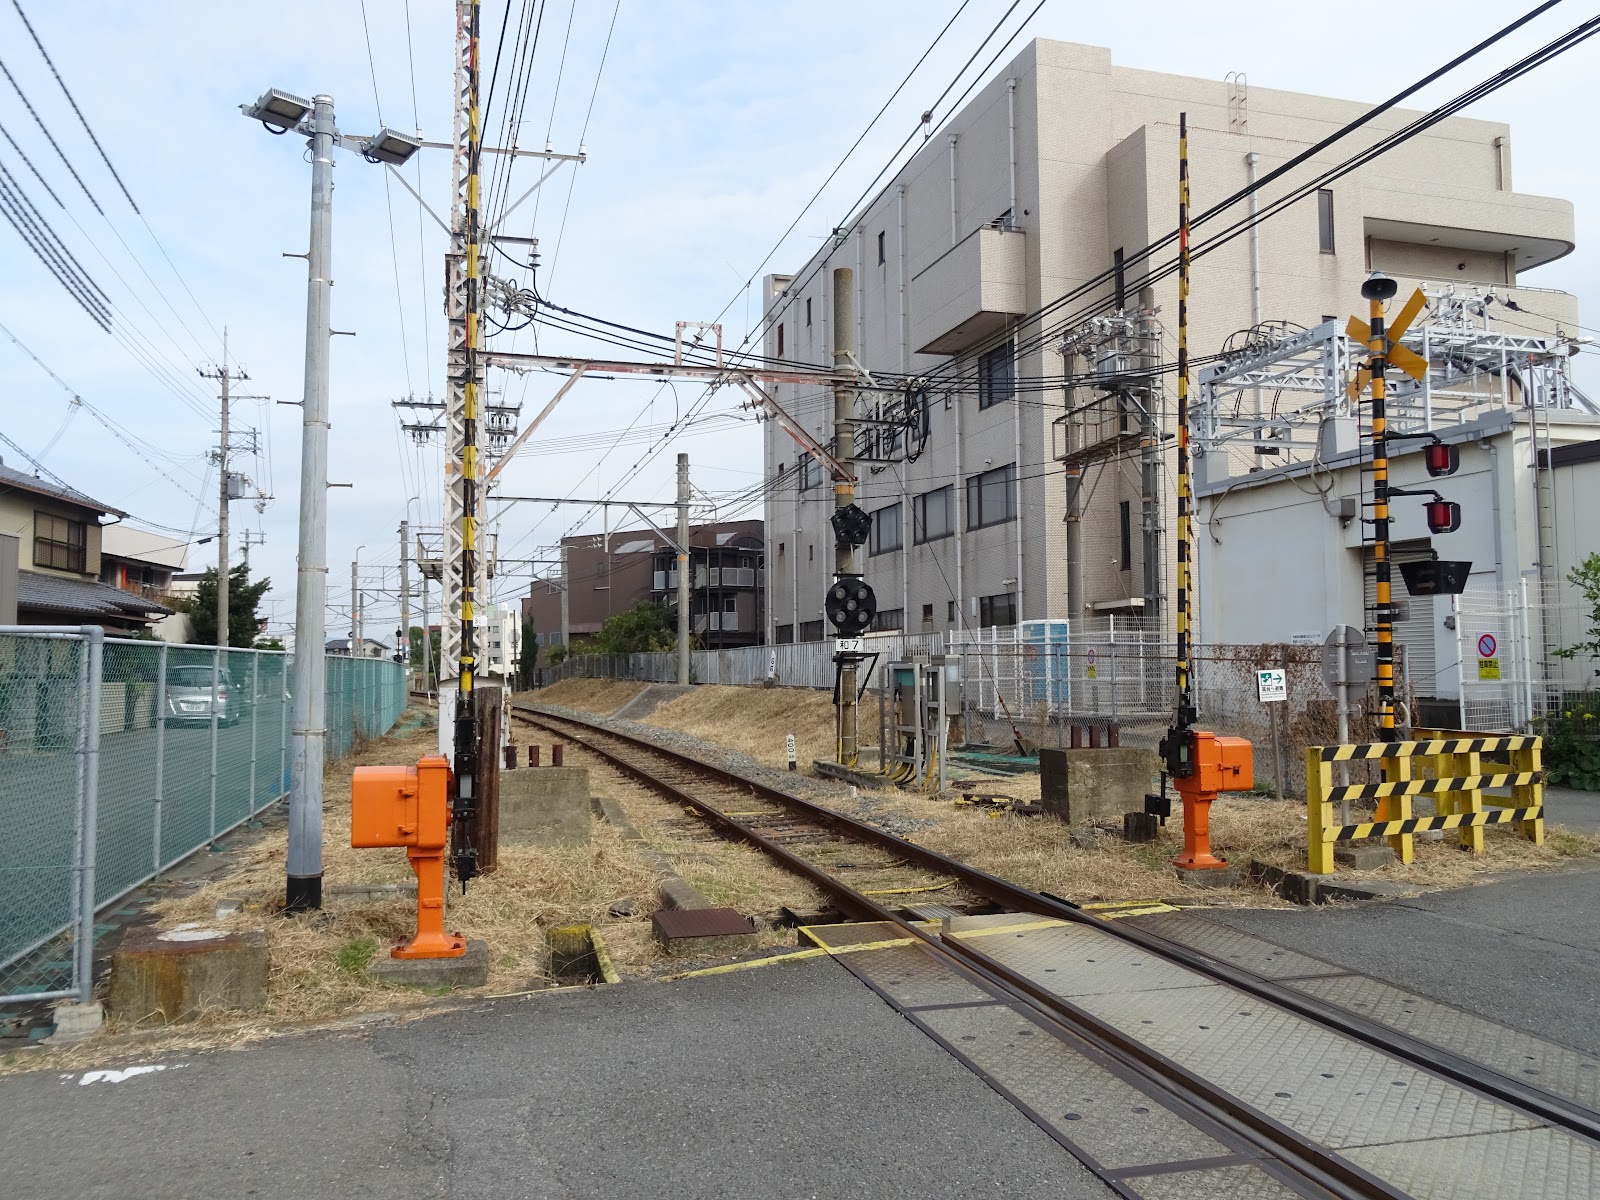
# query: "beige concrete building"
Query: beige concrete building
{"points": [[1063, 166]]}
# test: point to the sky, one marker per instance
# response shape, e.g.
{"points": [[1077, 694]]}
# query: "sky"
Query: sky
{"points": [[712, 125]]}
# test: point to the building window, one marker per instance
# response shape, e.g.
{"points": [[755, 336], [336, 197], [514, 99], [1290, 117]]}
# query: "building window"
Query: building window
{"points": [[783, 635], [934, 514], [808, 312], [1125, 516], [889, 620], [927, 614], [810, 473], [887, 532], [1325, 220], [881, 257], [811, 552], [780, 339], [810, 631], [992, 497], [950, 610], [996, 377], [730, 604], [997, 610], [59, 543], [781, 548]]}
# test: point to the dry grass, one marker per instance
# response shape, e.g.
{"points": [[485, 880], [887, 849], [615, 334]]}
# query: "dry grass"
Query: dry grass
{"points": [[317, 961], [726, 873], [601, 696], [755, 721]]}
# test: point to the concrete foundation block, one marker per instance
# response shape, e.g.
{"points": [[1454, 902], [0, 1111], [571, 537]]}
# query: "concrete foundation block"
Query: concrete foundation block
{"points": [[1216, 877], [1369, 856], [75, 1022], [1083, 785], [468, 970], [175, 975], [545, 806]]}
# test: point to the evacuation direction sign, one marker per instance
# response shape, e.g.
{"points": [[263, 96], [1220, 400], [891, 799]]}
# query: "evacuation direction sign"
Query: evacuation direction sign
{"points": [[1271, 686]]}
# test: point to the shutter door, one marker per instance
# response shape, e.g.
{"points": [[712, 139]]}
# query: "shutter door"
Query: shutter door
{"points": [[1415, 630]]}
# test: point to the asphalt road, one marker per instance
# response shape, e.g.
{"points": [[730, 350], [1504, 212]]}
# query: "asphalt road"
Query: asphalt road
{"points": [[783, 1082], [1525, 951], [1572, 808]]}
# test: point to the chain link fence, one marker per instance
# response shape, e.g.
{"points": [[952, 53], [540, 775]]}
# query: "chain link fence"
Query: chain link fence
{"points": [[120, 758]]}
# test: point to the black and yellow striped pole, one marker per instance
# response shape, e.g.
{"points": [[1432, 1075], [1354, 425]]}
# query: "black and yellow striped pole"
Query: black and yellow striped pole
{"points": [[464, 812], [1185, 704], [1376, 290]]}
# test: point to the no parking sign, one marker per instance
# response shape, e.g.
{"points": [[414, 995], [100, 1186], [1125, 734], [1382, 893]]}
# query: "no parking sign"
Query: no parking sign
{"points": [[1488, 657]]}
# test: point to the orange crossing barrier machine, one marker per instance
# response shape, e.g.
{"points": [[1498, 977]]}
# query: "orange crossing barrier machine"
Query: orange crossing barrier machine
{"points": [[410, 807]]}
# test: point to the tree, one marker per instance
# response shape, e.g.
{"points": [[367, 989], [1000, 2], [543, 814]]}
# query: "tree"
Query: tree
{"points": [[645, 626], [244, 598], [416, 639], [1586, 578], [261, 643], [528, 658]]}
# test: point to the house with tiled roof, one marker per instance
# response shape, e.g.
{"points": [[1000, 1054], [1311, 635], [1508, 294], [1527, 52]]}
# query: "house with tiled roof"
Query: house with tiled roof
{"points": [[54, 558]]}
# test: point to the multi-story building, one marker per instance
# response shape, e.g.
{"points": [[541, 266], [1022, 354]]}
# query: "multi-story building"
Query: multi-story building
{"points": [[1027, 499], [612, 572]]}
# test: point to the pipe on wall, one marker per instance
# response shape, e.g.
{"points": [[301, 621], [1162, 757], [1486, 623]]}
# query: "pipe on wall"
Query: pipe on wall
{"points": [[1011, 142]]}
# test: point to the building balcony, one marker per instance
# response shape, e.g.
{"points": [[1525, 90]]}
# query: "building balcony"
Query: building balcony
{"points": [[1528, 230], [970, 292]]}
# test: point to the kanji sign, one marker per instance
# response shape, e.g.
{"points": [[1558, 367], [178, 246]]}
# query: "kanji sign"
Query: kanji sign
{"points": [[1271, 686]]}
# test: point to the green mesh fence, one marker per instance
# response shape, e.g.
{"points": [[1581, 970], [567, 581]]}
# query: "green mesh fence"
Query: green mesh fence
{"points": [[192, 742]]}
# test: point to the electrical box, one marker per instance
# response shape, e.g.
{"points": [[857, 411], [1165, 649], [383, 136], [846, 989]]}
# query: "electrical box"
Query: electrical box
{"points": [[401, 806]]}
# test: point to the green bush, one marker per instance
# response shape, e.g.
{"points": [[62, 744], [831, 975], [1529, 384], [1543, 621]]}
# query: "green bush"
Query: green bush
{"points": [[1571, 752]]}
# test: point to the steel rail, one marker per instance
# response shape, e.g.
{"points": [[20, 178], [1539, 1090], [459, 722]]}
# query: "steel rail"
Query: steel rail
{"points": [[1313, 1164], [1485, 1080]]}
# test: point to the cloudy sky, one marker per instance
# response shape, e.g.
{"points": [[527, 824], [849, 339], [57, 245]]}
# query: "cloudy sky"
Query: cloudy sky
{"points": [[712, 125]]}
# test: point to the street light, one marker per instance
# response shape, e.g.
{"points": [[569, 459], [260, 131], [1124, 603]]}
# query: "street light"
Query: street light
{"points": [[279, 112]]}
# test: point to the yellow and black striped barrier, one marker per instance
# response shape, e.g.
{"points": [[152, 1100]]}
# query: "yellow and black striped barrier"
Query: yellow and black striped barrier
{"points": [[1449, 768]]}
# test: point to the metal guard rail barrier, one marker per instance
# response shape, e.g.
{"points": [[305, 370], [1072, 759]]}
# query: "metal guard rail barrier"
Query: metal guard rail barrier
{"points": [[1456, 785]]}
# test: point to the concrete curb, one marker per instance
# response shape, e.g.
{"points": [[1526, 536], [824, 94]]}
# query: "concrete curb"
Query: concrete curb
{"points": [[673, 889]]}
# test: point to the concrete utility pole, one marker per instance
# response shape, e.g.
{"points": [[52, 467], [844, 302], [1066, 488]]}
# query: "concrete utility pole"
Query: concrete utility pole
{"points": [[250, 538], [405, 597], [224, 377], [684, 595], [304, 864], [566, 602], [355, 603], [846, 558]]}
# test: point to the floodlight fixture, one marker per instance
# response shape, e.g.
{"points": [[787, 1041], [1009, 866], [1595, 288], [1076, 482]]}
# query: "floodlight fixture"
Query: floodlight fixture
{"points": [[390, 146], [277, 110]]}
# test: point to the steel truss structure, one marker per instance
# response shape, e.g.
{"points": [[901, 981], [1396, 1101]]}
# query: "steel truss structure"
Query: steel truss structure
{"points": [[1270, 402]]}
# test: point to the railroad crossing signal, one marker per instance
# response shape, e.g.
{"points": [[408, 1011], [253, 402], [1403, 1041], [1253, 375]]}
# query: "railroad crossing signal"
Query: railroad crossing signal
{"points": [[1399, 357]]}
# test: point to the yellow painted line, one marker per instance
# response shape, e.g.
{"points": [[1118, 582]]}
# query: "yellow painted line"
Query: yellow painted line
{"points": [[904, 891], [602, 958], [1116, 914], [748, 964], [848, 948]]}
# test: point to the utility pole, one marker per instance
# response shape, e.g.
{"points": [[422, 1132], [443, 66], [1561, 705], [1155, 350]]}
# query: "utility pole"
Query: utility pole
{"points": [[224, 482], [250, 538], [1150, 475], [684, 594], [846, 557], [304, 862], [405, 596], [355, 606], [566, 603]]}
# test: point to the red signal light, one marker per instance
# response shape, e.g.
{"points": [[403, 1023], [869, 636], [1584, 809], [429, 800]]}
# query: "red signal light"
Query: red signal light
{"points": [[1444, 516], [1441, 459]]}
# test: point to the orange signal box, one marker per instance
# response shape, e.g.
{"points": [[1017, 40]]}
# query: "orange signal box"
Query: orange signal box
{"points": [[410, 807], [1221, 764]]}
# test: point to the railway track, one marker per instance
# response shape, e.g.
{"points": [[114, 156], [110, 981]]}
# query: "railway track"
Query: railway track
{"points": [[949, 916]]}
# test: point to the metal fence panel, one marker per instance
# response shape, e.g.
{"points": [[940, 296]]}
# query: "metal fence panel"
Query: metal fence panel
{"points": [[116, 761]]}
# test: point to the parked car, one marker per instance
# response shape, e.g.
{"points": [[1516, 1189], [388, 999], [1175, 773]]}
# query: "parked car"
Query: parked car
{"points": [[189, 696]]}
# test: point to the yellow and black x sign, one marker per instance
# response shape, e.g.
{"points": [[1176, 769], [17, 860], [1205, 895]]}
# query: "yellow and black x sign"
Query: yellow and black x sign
{"points": [[1399, 357]]}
